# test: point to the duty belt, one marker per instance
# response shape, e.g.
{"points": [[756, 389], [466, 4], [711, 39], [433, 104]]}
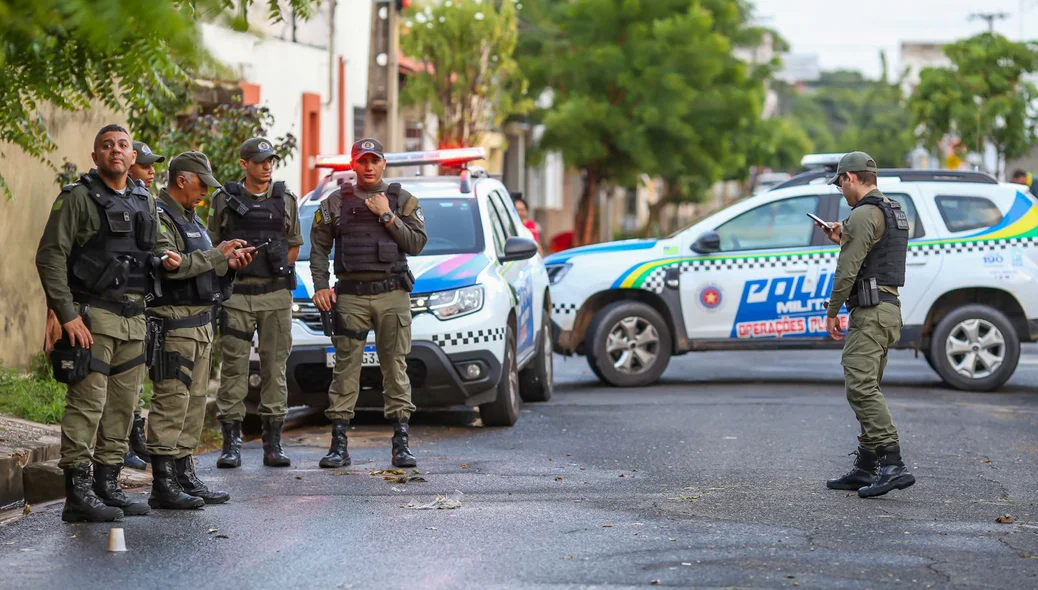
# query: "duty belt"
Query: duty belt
{"points": [[883, 296], [195, 321], [346, 287], [127, 309], [262, 289]]}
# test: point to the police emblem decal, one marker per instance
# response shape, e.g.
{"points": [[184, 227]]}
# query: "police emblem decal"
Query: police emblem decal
{"points": [[368, 145], [710, 297], [263, 146], [418, 213], [145, 150]]}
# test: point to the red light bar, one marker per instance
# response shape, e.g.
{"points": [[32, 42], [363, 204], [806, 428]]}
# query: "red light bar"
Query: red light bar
{"points": [[443, 157]]}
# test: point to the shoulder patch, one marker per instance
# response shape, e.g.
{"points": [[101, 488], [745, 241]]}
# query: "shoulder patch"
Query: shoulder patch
{"points": [[57, 204], [419, 215]]}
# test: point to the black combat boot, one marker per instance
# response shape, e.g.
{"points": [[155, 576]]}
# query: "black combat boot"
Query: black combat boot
{"points": [[166, 492], [81, 503], [402, 456], [131, 460], [231, 455], [862, 474], [892, 473], [188, 479], [138, 444], [106, 486], [273, 456], [337, 454]]}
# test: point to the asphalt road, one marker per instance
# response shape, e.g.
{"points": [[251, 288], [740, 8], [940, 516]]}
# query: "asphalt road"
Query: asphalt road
{"points": [[713, 478]]}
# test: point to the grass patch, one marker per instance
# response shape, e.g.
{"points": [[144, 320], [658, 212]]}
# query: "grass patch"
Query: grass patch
{"points": [[211, 440], [35, 396]]}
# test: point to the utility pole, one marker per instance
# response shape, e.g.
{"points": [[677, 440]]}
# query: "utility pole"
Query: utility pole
{"points": [[990, 17], [382, 116]]}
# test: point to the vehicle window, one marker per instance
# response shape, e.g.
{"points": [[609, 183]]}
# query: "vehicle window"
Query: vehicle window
{"points": [[453, 227], [497, 227], [915, 227], [966, 213], [503, 210], [779, 224]]}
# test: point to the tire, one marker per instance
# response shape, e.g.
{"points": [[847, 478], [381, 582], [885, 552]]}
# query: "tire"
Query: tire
{"points": [[975, 328], [504, 410], [621, 320], [536, 381]]}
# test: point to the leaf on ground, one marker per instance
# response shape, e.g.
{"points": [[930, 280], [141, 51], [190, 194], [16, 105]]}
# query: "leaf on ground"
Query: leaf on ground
{"points": [[1027, 555], [986, 461], [27, 509], [1004, 519], [558, 478], [385, 472], [222, 537], [416, 472], [431, 528], [464, 466], [655, 582], [211, 531], [404, 479], [344, 473], [607, 526], [440, 503]]}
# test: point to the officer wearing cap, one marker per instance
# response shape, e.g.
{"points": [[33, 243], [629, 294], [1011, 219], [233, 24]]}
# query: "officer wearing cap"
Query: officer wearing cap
{"points": [[142, 172], [182, 320], [873, 251], [265, 215], [374, 227], [98, 260]]}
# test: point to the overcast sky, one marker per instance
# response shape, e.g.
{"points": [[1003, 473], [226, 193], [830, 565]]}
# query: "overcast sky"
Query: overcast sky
{"points": [[851, 34]]}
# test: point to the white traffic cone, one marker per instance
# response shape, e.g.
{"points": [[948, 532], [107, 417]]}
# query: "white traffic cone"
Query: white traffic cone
{"points": [[116, 540]]}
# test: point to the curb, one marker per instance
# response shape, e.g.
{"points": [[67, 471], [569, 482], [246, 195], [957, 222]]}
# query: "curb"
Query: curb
{"points": [[16, 457]]}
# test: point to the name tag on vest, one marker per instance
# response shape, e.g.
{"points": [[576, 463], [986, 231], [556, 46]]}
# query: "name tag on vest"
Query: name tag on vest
{"points": [[193, 234]]}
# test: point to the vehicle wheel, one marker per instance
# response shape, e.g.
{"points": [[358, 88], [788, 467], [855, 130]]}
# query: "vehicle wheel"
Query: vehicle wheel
{"points": [[629, 344], [504, 410], [929, 359], [536, 381], [975, 348]]}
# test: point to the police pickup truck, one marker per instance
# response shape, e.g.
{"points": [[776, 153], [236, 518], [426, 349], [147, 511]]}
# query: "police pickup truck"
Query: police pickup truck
{"points": [[757, 274], [480, 305]]}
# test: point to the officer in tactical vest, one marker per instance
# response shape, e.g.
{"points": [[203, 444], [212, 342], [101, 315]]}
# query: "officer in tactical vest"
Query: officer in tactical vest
{"points": [[99, 259], [182, 322], [873, 249], [373, 227], [266, 216], [143, 173]]}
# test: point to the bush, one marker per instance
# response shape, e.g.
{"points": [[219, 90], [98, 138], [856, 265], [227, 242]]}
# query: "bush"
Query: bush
{"points": [[35, 396]]}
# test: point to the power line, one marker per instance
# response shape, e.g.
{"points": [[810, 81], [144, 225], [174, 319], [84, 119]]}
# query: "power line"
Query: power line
{"points": [[990, 17]]}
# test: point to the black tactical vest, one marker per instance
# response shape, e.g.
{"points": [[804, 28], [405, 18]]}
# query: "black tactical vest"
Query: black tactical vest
{"points": [[204, 289], [362, 243], [257, 222], [886, 261], [117, 260]]}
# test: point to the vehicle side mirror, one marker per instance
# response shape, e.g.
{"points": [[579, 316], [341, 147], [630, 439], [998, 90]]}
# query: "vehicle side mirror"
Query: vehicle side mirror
{"points": [[707, 242], [517, 248]]}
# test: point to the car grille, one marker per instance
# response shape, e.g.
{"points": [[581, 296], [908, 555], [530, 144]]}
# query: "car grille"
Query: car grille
{"points": [[314, 378]]}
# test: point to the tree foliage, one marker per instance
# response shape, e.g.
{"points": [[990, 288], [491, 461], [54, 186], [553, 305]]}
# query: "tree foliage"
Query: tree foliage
{"points": [[470, 79], [642, 87], [127, 54], [984, 96]]}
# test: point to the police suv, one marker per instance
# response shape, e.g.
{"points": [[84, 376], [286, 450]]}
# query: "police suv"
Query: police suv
{"points": [[480, 305], [757, 274]]}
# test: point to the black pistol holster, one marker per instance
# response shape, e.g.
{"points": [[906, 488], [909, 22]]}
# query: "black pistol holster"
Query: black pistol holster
{"points": [[72, 364], [868, 293], [167, 365], [331, 326], [328, 323]]}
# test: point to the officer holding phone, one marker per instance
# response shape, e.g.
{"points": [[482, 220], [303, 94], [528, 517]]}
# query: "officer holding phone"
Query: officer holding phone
{"points": [[873, 250]]}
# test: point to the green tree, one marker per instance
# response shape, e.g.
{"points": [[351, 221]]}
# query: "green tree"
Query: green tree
{"points": [[983, 96], [127, 54], [470, 81], [641, 87]]}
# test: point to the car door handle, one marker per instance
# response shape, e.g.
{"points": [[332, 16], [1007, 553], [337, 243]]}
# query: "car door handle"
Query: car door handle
{"points": [[795, 270], [917, 262]]}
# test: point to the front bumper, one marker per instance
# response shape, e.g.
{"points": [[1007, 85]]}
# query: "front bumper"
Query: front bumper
{"points": [[435, 379]]}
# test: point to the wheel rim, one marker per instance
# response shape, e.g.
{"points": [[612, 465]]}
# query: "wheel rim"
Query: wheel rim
{"points": [[548, 358], [633, 344], [975, 348]]}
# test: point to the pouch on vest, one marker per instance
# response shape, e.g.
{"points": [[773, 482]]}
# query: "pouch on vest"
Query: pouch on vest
{"points": [[88, 270], [868, 293], [120, 222], [71, 364], [387, 251], [144, 231], [113, 278]]}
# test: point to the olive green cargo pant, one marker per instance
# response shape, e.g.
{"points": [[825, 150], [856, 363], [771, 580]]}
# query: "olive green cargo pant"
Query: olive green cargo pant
{"points": [[275, 344], [871, 331], [389, 314], [178, 412], [101, 406]]}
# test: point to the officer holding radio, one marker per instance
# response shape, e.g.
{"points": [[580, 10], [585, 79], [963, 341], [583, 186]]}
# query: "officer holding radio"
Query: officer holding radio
{"points": [[873, 250]]}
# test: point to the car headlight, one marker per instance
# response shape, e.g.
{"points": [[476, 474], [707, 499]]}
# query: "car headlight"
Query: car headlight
{"points": [[557, 271], [450, 304]]}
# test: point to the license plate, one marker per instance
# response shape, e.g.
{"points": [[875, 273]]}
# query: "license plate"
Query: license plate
{"points": [[370, 356]]}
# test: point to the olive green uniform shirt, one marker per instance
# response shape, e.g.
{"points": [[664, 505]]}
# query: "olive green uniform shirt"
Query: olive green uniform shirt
{"points": [[862, 229], [191, 265], [73, 221], [407, 228], [218, 213]]}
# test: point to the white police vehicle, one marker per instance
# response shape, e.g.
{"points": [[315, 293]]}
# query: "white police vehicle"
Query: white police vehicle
{"points": [[757, 275], [480, 305]]}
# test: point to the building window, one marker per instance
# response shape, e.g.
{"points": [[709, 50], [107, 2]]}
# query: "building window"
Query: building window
{"points": [[358, 122]]}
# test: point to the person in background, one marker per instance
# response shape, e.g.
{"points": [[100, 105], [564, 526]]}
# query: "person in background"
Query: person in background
{"points": [[524, 214], [1024, 178]]}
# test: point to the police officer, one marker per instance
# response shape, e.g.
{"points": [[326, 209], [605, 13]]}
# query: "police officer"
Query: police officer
{"points": [[265, 215], [182, 319], [373, 228], [873, 249], [143, 173], [97, 260]]}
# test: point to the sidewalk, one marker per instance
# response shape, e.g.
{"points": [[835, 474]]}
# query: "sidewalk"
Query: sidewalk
{"points": [[23, 443]]}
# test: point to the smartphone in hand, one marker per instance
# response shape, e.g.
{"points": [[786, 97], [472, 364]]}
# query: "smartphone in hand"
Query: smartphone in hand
{"points": [[819, 221]]}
